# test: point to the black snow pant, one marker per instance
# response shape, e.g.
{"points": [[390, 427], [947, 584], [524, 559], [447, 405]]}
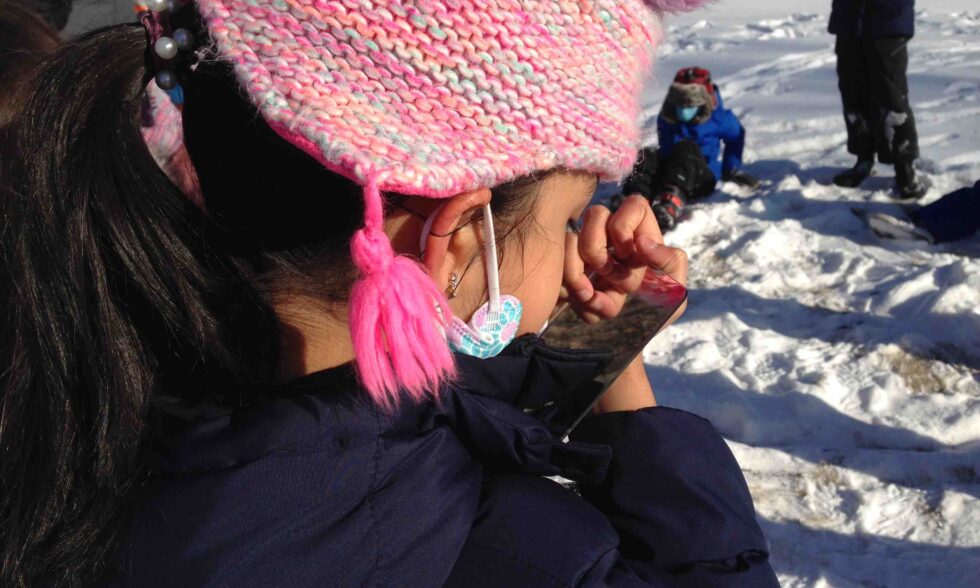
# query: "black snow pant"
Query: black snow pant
{"points": [[874, 89], [684, 168]]}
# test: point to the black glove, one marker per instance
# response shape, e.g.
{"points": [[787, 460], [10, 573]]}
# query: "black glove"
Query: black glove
{"points": [[741, 178]]}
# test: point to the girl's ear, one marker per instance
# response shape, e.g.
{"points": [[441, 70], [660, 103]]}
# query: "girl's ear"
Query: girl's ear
{"points": [[448, 241]]}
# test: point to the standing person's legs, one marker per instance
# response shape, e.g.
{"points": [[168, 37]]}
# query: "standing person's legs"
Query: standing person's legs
{"points": [[896, 137], [856, 96]]}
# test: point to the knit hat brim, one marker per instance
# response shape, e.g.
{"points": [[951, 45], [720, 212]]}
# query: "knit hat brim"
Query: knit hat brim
{"points": [[436, 98]]}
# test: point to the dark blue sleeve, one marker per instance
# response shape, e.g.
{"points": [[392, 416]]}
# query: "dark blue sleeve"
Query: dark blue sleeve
{"points": [[732, 133], [667, 133], [678, 501]]}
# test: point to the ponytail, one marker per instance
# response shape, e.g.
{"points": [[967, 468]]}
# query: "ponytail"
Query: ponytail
{"points": [[108, 295]]}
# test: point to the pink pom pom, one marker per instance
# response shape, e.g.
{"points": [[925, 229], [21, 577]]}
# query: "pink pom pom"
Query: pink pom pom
{"points": [[396, 312]]}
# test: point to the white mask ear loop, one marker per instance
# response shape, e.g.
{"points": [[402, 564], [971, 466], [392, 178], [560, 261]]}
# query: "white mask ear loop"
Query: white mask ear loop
{"points": [[490, 246], [427, 228]]}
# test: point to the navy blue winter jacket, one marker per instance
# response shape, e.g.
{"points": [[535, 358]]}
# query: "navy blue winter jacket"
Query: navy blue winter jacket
{"points": [[316, 487], [873, 18], [723, 125]]}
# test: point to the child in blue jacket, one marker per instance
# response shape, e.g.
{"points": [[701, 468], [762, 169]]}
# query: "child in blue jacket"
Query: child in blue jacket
{"points": [[692, 125]]}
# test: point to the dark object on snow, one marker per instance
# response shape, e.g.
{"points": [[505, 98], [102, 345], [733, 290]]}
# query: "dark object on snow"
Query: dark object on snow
{"points": [[742, 179], [853, 177], [887, 226], [873, 18], [954, 216], [317, 488], [907, 185]]}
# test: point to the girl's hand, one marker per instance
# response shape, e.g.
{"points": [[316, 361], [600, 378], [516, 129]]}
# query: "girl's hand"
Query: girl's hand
{"points": [[619, 248]]}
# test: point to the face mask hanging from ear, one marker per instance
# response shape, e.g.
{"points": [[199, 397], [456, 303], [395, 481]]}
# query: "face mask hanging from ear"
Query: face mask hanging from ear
{"points": [[494, 325]]}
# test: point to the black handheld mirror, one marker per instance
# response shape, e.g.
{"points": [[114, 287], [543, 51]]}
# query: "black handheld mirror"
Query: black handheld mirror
{"points": [[645, 314]]}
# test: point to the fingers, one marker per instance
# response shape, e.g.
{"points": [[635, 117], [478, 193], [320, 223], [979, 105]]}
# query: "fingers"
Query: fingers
{"points": [[670, 260], [592, 242], [617, 249], [633, 220], [576, 285]]}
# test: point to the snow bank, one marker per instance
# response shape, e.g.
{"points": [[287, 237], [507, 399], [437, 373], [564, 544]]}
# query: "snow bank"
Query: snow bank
{"points": [[844, 370]]}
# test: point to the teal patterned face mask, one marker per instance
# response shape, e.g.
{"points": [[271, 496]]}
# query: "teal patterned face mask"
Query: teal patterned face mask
{"points": [[494, 325], [488, 332]]}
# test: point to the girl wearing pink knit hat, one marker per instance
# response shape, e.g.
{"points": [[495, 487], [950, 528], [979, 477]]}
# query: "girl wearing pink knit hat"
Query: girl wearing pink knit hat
{"points": [[324, 371]]}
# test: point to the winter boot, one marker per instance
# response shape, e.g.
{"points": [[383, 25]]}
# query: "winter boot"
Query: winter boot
{"points": [[667, 207], [853, 177], [907, 185]]}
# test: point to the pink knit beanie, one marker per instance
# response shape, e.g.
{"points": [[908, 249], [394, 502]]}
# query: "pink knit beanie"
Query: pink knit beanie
{"points": [[435, 98]]}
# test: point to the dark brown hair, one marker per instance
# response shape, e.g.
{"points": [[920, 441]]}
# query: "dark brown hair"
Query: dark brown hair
{"points": [[25, 38], [117, 290]]}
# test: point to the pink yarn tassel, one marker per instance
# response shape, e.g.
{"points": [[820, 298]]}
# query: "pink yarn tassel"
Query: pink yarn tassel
{"points": [[395, 320]]}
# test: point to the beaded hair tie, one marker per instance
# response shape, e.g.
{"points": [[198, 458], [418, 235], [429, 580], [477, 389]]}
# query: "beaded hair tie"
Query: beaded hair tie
{"points": [[164, 43]]}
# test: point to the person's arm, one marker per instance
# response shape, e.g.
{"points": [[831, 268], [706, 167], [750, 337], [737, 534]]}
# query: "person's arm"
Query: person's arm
{"points": [[733, 134], [673, 493], [678, 501]]}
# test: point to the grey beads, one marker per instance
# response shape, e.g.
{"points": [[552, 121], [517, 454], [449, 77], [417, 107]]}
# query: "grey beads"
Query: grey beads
{"points": [[166, 80], [184, 39], [155, 5], [165, 48]]}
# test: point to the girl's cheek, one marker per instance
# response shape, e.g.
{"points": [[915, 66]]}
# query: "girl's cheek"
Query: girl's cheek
{"points": [[539, 290]]}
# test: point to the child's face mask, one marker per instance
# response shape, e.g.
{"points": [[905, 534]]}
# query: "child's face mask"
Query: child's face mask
{"points": [[494, 325], [687, 113]]}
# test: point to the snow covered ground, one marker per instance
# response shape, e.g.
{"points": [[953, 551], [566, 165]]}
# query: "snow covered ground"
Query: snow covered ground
{"points": [[844, 370]]}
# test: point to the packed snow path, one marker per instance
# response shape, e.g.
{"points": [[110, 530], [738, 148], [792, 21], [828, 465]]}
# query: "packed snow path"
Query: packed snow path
{"points": [[844, 370]]}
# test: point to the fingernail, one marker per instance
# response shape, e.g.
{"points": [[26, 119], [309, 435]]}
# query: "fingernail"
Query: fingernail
{"points": [[648, 244], [596, 304], [584, 294]]}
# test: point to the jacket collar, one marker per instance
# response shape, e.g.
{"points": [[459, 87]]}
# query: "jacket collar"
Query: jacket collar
{"points": [[498, 407]]}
